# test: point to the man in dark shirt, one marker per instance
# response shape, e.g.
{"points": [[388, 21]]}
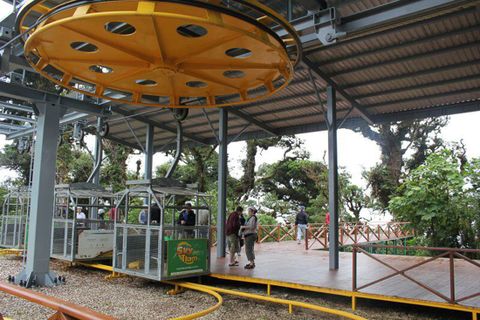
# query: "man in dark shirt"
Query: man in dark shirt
{"points": [[301, 222], [232, 228], [187, 218], [155, 214]]}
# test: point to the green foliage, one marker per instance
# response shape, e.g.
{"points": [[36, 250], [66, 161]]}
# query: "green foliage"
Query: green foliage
{"points": [[265, 219], [441, 201], [114, 172], [73, 163], [12, 159]]}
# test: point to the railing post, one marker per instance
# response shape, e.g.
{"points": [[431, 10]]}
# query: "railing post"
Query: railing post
{"points": [[342, 230], [259, 237], [307, 230], [452, 277], [354, 268], [278, 232]]}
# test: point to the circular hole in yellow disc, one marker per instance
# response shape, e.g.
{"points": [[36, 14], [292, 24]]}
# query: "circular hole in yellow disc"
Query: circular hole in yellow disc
{"points": [[121, 28], [234, 74], [83, 46], [146, 82], [191, 31], [100, 69], [238, 53], [196, 84]]}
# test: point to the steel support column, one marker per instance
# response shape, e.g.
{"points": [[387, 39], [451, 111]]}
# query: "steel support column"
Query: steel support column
{"points": [[98, 155], [149, 152], [332, 178], [222, 181], [37, 269]]}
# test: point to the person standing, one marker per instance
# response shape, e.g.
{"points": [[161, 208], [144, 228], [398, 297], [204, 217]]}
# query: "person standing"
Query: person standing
{"points": [[80, 214], [142, 217], [301, 222], [187, 218], [231, 231], [250, 234], [241, 241]]}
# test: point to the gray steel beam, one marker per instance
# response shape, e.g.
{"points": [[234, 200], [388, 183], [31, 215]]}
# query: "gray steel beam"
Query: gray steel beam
{"points": [[149, 151], [222, 182], [123, 142], [156, 124], [254, 121], [360, 109], [409, 43], [98, 153], [17, 107], [396, 12], [16, 118], [66, 119], [37, 270], [411, 75], [325, 26], [426, 97], [430, 54], [22, 93], [354, 122], [333, 249], [419, 86], [404, 27], [13, 126]]}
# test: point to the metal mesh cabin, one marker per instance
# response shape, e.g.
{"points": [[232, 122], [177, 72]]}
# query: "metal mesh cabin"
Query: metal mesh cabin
{"points": [[156, 246], [13, 220], [76, 239]]}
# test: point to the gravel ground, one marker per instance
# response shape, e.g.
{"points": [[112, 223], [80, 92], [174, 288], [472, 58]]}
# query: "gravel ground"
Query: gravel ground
{"points": [[133, 298]]}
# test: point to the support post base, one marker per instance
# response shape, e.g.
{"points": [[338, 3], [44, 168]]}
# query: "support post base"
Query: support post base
{"points": [[28, 280]]}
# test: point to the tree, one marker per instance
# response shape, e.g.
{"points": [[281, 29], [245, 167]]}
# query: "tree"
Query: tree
{"points": [[114, 173], [12, 159], [420, 137], [441, 200], [354, 199], [197, 165]]}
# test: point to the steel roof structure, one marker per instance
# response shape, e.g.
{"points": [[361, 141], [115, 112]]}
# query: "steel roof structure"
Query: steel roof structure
{"points": [[387, 66]]}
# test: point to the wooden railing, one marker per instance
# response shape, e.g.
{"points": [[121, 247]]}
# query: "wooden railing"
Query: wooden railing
{"points": [[64, 309], [317, 233], [440, 253], [355, 233]]}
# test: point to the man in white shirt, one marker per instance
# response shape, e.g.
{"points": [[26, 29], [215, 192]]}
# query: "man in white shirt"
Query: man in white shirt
{"points": [[80, 214]]}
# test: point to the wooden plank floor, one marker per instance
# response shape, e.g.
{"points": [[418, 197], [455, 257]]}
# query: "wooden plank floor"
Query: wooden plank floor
{"points": [[290, 262]]}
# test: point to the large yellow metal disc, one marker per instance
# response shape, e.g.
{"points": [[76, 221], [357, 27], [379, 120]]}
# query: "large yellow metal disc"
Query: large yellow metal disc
{"points": [[159, 53]]}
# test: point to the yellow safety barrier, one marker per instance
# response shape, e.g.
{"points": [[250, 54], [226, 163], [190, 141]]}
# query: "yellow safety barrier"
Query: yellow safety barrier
{"points": [[15, 252], [190, 286], [289, 303]]}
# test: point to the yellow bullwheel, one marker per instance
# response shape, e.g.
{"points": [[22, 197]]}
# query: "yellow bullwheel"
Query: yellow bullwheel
{"points": [[161, 53]]}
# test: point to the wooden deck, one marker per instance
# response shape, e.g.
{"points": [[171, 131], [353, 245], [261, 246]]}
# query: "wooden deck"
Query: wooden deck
{"points": [[289, 263]]}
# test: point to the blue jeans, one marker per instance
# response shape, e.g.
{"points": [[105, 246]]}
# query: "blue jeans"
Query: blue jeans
{"points": [[301, 229]]}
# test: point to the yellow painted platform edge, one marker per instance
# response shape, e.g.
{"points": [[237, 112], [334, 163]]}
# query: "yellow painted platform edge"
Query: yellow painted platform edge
{"points": [[347, 293]]}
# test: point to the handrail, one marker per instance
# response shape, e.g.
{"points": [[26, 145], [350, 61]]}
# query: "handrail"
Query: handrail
{"points": [[349, 233], [61, 306], [449, 253], [194, 286], [289, 303], [181, 284]]}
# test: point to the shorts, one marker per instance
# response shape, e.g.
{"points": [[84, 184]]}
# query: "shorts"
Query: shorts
{"points": [[233, 243]]}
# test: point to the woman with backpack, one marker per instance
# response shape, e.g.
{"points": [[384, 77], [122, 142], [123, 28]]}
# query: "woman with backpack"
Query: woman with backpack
{"points": [[250, 235]]}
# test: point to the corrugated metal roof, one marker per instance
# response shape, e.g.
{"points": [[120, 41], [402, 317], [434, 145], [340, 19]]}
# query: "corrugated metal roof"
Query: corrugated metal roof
{"points": [[427, 62]]}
